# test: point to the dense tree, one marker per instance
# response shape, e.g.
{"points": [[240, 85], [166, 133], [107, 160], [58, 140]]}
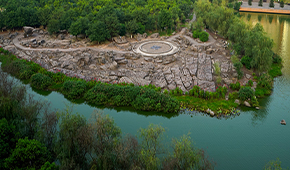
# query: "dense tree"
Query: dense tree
{"points": [[237, 32], [112, 24], [80, 26], [98, 31], [27, 154], [62, 15], [259, 47], [260, 3], [271, 4], [107, 138], [282, 3], [73, 144], [53, 26], [8, 140], [132, 27], [165, 20]]}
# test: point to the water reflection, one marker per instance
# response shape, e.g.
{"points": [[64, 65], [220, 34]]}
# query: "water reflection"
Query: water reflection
{"points": [[41, 92], [270, 18], [259, 18]]}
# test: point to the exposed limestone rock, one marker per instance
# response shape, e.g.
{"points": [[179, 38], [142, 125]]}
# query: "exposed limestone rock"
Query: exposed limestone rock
{"points": [[114, 65], [247, 104], [28, 31], [155, 35], [120, 39], [237, 101], [204, 68]]}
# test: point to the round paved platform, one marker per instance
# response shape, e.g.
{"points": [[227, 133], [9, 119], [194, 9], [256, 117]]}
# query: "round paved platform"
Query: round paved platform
{"points": [[156, 48]]}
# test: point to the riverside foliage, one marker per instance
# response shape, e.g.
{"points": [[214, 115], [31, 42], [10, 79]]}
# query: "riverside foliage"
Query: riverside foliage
{"points": [[247, 40], [32, 136]]}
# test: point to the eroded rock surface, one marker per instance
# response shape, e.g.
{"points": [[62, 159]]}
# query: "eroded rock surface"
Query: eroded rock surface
{"points": [[191, 65]]}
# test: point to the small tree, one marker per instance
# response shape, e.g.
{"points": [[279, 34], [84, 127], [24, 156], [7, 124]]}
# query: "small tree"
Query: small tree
{"points": [[260, 3], [27, 154], [250, 2], [282, 4], [151, 145], [271, 5]]}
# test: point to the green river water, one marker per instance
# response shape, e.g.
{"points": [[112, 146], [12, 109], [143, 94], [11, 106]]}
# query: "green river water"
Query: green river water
{"points": [[247, 141]]}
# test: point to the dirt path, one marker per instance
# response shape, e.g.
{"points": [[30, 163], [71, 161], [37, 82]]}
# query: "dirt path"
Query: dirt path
{"points": [[16, 43]]}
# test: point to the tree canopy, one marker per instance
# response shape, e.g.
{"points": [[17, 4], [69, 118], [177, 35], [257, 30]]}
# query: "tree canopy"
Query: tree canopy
{"points": [[78, 16]]}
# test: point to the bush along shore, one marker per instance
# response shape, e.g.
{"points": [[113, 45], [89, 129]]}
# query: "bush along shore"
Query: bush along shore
{"points": [[148, 97]]}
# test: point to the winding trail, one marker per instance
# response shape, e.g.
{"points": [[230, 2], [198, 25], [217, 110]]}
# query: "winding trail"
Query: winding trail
{"points": [[16, 43]]}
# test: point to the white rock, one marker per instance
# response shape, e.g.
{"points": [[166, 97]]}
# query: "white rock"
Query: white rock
{"points": [[247, 104]]}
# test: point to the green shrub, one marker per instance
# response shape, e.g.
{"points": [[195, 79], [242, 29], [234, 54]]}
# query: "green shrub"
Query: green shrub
{"points": [[238, 67], [265, 81], [275, 70], [141, 98], [235, 86], [250, 83], [59, 77], [246, 93], [40, 81], [233, 95], [195, 34], [203, 36], [73, 89], [178, 91], [158, 89], [26, 74], [246, 60], [254, 102], [165, 91]]}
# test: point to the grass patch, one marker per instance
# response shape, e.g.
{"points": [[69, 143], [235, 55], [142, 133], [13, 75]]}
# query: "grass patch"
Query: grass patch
{"points": [[219, 106], [275, 70], [262, 92]]}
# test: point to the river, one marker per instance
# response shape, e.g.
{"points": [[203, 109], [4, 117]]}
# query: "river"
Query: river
{"points": [[247, 141]]}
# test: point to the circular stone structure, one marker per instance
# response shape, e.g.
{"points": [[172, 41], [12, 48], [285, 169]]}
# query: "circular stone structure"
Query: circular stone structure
{"points": [[156, 48]]}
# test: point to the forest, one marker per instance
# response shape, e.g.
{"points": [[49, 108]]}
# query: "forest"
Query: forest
{"points": [[99, 20]]}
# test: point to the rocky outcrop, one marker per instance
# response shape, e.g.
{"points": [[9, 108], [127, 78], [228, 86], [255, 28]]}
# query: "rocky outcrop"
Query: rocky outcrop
{"points": [[28, 31], [191, 65], [120, 39], [283, 122], [155, 35]]}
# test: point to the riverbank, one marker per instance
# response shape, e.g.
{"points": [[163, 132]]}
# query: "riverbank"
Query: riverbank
{"points": [[216, 103], [245, 7]]}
